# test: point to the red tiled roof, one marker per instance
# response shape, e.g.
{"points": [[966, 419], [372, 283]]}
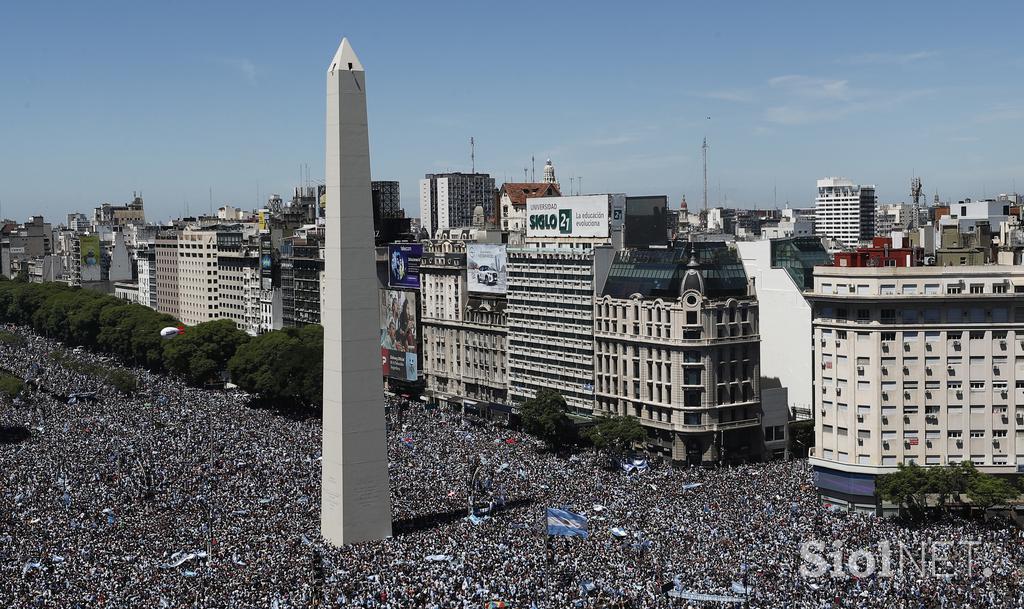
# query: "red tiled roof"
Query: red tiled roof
{"points": [[519, 192]]}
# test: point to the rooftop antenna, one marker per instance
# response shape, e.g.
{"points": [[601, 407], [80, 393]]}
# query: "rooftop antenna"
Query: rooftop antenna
{"points": [[211, 200], [526, 174], [572, 183], [579, 185], [704, 155], [915, 193], [472, 154], [533, 170]]}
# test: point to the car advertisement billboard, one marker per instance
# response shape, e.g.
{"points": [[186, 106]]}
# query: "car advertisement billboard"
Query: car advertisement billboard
{"points": [[581, 216], [486, 268], [404, 265], [399, 334]]}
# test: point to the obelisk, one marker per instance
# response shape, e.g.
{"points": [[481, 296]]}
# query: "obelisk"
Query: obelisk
{"points": [[355, 503]]}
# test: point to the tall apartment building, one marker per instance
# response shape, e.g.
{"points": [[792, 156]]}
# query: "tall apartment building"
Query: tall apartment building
{"points": [[168, 298], [238, 278], [550, 310], [676, 345], [302, 264], [845, 211], [915, 365], [447, 200], [553, 279], [463, 323], [145, 264], [197, 276]]}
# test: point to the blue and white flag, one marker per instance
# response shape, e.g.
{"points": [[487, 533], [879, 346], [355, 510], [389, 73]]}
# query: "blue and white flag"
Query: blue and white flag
{"points": [[564, 523], [618, 531], [692, 485]]}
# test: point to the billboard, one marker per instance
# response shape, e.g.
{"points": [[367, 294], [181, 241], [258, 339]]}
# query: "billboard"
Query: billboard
{"points": [[646, 221], [580, 216], [486, 268], [404, 265], [266, 262], [398, 334], [90, 251]]}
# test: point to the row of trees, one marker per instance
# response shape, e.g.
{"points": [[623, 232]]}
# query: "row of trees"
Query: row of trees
{"points": [[545, 416], [916, 489], [283, 367]]}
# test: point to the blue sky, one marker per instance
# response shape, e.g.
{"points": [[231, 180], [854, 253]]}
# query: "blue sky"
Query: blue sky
{"points": [[98, 99]]}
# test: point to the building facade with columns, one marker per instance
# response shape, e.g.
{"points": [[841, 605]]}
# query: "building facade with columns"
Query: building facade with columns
{"points": [[676, 345]]}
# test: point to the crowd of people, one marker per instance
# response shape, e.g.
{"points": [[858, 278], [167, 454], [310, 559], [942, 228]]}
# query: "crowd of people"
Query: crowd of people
{"points": [[183, 497]]}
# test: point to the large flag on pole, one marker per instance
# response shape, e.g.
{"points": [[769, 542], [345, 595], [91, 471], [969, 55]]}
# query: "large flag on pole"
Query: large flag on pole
{"points": [[564, 523]]}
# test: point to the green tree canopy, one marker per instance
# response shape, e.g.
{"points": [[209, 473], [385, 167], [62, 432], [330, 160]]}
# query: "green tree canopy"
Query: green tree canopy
{"points": [[544, 416], [199, 355], [283, 367], [615, 435]]}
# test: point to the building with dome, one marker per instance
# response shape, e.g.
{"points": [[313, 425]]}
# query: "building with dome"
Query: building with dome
{"points": [[677, 345]]}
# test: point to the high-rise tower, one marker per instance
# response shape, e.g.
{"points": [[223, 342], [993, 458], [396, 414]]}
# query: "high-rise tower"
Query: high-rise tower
{"points": [[355, 502]]}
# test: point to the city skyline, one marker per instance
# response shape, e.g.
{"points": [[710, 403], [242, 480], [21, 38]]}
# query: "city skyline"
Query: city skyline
{"points": [[178, 103]]}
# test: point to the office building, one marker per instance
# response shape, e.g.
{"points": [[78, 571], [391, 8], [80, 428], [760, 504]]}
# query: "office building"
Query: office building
{"points": [[845, 211], [447, 200], [676, 345], [915, 365]]}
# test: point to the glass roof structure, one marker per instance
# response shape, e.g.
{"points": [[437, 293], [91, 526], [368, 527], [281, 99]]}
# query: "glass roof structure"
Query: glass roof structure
{"points": [[658, 273]]}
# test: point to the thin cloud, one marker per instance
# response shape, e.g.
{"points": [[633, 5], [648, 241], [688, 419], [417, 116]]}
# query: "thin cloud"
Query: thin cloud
{"points": [[818, 100], [892, 59], [730, 95], [807, 86], [244, 67], [1001, 113]]}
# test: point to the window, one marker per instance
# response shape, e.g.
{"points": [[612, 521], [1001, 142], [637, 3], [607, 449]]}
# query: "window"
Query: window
{"points": [[977, 288], [954, 289], [998, 288], [863, 314], [910, 288], [977, 433]]}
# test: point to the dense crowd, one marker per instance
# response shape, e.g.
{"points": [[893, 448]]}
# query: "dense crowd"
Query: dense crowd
{"points": [[181, 497]]}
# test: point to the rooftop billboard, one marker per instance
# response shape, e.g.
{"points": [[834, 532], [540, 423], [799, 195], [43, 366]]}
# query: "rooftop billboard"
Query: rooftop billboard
{"points": [[404, 265], [486, 268], [584, 216]]}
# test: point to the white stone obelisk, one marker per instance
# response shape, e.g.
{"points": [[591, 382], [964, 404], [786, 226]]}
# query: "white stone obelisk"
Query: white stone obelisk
{"points": [[355, 503]]}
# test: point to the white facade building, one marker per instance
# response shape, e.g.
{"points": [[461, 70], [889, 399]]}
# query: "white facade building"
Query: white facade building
{"points": [[197, 276], [781, 270], [915, 364], [845, 211]]}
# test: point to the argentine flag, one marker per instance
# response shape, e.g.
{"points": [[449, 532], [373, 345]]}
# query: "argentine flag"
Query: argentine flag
{"points": [[563, 523]]}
